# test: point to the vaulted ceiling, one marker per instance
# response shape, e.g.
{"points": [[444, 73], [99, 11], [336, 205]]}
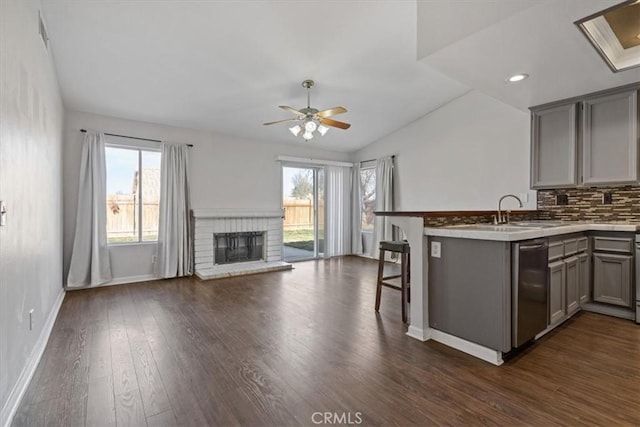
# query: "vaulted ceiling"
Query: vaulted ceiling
{"points": [[225, 66]]}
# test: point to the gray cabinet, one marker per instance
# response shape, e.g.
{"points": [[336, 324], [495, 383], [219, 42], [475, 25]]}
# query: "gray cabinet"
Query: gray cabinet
{"points": [[586, 141], [572, 282], [557, 292], [610, 139], [553, 147], [584, 278], [612, 278], [569, 279]]}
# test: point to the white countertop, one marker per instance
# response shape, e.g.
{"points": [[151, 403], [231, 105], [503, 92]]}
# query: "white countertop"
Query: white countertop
{"points": [[509, 234]]}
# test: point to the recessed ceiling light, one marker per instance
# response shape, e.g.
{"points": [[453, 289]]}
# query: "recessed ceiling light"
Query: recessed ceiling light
{"points": [[517, 78]]}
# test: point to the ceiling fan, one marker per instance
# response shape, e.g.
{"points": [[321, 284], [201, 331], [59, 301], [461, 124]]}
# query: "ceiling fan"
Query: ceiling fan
{"points": [[311, 119]]}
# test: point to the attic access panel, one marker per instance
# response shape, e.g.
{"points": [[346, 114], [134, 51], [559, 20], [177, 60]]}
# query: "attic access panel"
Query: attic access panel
{"points": [[615, 34]]}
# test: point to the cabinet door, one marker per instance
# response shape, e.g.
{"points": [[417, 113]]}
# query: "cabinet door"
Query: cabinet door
{"points": [[572, 284], [584, 278], [557, 292], [553, 147], [612, 278], [610, 139]]}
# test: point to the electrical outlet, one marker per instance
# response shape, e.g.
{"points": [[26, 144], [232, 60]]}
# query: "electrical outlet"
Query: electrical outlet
{"points": [[562, 199], [524, 197], [31, 319], [435, 249], [607, 198], [154, 259]]}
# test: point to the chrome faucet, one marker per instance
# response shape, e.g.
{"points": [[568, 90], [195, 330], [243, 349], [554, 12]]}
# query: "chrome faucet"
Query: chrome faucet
{"points": [[500, 219]]}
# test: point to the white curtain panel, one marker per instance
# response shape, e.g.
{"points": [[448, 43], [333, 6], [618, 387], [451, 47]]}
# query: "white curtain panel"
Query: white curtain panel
{"points": [[356, 211], [382, 229], [90, 264], [338, 213], [174, 233]]}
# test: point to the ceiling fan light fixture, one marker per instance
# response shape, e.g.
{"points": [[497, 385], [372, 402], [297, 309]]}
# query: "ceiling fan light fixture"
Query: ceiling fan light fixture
{"points": [[310, 126], [295, 130], [309, 120], [322, 130]]}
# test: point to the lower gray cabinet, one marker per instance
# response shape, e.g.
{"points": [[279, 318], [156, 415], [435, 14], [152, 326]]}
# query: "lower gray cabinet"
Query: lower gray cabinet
{"points": [[572, 284], [584, 278], [612, 278], [557, 292]]}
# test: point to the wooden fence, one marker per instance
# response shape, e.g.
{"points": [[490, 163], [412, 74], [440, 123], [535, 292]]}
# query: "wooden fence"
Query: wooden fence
{"points": [[298, 214], [123, 217]]}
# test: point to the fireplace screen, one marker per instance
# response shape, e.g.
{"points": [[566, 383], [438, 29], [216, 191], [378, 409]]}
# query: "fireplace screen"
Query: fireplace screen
{"points": [[238, 247]]}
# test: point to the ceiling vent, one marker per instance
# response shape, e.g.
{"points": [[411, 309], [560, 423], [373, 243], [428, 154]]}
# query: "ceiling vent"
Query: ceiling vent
{"points": [[42, 30]]}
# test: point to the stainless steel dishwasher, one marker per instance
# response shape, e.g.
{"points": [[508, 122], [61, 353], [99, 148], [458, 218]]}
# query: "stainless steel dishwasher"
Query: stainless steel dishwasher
{"points": [[638, 278], [530, 290]]}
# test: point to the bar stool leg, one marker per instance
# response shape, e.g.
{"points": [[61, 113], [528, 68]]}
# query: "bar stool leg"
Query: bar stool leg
{"points": [[403, 272], [409, 278], [380, 273]]}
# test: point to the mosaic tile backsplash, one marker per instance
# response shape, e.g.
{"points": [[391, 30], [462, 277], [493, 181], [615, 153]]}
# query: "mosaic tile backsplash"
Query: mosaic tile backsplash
{"points": [[587, 204], [443, 221]]}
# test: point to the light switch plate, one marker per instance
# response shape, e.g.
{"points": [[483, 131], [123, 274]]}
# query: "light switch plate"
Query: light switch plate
{"points": [[435, 249]]}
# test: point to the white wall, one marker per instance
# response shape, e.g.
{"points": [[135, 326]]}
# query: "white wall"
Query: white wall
{"points": [[30, 184], [226, 172], [463, 156]]}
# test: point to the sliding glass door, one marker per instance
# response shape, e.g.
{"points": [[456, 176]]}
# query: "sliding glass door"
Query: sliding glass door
{"points": [[303, 202]]}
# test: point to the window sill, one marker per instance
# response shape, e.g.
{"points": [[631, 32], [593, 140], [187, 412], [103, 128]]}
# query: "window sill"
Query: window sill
{"points": [[116, 245]]}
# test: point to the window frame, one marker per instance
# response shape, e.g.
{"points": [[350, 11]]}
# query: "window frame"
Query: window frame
{"points": [[364, 167], [139, 148]]}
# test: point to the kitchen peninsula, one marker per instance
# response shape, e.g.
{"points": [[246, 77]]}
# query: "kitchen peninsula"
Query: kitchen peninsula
{"points": [[464, 279], [412, 224]]}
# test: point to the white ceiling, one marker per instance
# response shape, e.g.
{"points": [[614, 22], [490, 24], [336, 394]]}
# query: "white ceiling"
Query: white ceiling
{"points": [[225, 66], [541, 41]]}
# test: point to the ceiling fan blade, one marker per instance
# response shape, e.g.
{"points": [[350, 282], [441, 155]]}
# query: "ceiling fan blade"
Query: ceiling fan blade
{"points": [[335, 123], [293, 110], [331, 112], [281, 121]]}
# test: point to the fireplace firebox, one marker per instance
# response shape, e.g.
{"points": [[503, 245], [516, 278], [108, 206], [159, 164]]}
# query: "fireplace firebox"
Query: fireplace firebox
{"points": [[238, 247]]}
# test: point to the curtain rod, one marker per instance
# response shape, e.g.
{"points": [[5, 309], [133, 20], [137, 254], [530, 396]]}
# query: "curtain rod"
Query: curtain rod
{"points": [[132, 137], [373, 160]]}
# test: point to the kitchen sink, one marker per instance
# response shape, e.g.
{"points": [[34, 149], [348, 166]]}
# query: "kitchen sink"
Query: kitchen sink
{"points": [[498, 227], [538, 224], [513, 226]]}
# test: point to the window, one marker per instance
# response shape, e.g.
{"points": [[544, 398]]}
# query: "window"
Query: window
{"points": [[368, 192], [133, 194]]}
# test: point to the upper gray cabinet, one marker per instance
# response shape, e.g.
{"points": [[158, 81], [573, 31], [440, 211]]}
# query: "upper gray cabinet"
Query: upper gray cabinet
{"points": [[586, 141], [610, 139], [553, 147]]}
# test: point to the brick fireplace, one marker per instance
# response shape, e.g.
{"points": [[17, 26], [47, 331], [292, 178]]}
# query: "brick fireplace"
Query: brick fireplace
{"points": [[233, 242]]}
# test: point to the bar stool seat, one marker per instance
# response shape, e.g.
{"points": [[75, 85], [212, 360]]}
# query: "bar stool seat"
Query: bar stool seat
{"points": [[402, 247]]}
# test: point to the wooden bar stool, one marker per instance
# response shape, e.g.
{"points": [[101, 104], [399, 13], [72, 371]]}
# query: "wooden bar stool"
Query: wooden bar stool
{"points": [[401, 247]]}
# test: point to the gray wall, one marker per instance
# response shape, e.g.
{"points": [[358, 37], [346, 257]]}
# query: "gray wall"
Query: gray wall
{"points": [[31, 116]]}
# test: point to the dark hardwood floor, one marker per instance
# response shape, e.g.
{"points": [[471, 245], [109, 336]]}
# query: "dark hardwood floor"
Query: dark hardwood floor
{"points": [[274, 349]]}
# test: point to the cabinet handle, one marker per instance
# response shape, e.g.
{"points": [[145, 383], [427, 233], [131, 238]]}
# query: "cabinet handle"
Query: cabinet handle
{"points": [[527, 247]]}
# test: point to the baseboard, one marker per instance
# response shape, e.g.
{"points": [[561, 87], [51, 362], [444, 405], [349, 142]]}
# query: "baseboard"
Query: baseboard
{"points": [[419, 334], [132, 279], [488, 355], [17, 393], [122, 281], [621, 312]]}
